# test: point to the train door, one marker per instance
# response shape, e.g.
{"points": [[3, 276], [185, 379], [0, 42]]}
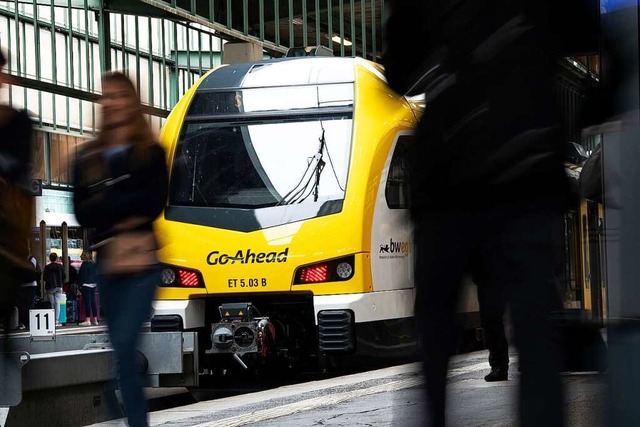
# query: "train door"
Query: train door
{"points": [[391, 234], [584, 274], [572, 290], [602, 262], [594, 288], [595, 223]]}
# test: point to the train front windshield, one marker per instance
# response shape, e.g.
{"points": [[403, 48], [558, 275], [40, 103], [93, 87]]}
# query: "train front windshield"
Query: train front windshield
{"points": [[271, 155]]}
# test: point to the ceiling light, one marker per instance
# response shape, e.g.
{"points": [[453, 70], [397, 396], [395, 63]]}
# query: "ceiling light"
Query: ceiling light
{"points": [[337, 39]]}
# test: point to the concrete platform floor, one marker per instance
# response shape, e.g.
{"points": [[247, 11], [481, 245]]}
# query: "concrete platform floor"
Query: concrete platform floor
{"points": [[385, 397]]}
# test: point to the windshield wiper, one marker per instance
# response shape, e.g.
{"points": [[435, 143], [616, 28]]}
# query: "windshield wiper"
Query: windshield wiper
{"points": [[299, 193], [319, 167]]}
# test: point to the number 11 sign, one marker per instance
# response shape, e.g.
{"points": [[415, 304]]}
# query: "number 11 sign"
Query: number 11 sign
{"points": [[42, 323]]}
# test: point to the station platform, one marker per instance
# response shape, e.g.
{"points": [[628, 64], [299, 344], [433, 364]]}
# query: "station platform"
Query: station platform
{"points": [[386, 397]]}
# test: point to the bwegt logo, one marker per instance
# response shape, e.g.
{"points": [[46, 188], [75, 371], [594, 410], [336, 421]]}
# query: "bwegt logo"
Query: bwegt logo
{"points": [[248, 257], [395, 247]]}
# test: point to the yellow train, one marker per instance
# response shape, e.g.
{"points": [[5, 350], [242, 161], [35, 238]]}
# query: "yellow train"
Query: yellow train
{"points": [[286, 233], [286, 236]]}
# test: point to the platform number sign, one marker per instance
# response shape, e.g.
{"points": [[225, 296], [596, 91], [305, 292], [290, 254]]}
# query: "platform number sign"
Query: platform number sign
{"points": [[42, 323]]}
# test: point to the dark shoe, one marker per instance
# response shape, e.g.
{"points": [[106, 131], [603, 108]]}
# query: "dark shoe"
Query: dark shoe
{"points": [[497, 375]]}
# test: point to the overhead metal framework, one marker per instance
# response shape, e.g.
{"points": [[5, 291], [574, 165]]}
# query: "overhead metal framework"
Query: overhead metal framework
{"points": [[57, 52], [59, 48], [348, 27]]}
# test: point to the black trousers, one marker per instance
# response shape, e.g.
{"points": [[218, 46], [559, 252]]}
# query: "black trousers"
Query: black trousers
{"points": [[523, 243], [492, 299], [26, 302]]}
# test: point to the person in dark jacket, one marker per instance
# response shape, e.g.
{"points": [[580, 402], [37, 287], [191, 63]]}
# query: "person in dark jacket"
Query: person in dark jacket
{"points": [[16, 202], [120, 187], [486, 177], [71, 286], [88, 280], [53, 280]]}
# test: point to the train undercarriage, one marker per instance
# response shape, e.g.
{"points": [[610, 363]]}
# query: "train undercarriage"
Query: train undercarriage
{"points": [[281, 332]]}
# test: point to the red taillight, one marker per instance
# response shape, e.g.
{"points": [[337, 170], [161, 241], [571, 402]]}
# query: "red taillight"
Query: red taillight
{"points": [[334, 270], [314, 274], [188, 278]]}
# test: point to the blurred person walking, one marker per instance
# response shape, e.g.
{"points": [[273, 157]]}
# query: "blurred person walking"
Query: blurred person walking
{"points": [[16, 202], [53, 281], [120, 187], [88, 280], [486, 177]]}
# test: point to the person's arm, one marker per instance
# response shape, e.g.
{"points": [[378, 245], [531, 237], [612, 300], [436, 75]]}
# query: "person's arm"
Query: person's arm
{"points": [[82, 274], [148, 199], [91, 210], [111, 206]]}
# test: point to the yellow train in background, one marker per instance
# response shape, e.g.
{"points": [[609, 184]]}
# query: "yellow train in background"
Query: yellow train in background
{"points": [[286, 235]]}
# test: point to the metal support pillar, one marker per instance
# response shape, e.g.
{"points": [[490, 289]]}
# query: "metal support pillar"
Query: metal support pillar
{"points": [[104, 38], [43, 254], [65, 249], [85, 239]]}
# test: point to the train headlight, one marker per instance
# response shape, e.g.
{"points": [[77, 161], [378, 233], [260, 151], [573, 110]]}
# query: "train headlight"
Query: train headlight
{"points": [[180, 277], [335, 270], [168, 277], [344, 270]]}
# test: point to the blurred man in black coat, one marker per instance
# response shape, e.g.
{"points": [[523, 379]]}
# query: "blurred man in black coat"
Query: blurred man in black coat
{"points": [[16, 202], [486, 176]]}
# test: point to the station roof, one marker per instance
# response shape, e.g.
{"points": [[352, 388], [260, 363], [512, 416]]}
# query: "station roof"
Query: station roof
{"points": [[349, 27]]}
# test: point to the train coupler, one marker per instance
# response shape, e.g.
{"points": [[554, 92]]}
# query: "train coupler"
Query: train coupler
{"points": [[239, 333]]}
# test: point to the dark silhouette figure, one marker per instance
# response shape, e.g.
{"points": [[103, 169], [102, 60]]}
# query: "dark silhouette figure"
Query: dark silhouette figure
{"points": [[16, 203], [486, 177]]}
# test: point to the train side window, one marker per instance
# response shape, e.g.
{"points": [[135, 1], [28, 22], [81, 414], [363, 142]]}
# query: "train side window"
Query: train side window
{"points": [[397, 188]]}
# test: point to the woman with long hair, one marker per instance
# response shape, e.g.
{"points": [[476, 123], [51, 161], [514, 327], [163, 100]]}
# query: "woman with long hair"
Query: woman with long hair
{"points": [[120, 187]]}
